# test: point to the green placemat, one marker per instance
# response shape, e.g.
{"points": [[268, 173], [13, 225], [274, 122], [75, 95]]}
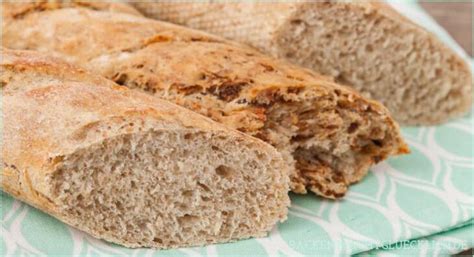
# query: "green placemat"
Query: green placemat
{"points": [[419, 204]]}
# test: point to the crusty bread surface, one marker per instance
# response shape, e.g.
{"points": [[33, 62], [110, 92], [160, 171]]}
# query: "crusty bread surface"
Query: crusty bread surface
{"points": [[329, 134], [363, 44], [127, 167]]}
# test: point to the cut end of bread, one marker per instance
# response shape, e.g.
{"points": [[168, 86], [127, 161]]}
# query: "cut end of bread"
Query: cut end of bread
{"points": [[130, 168], [331, 139], [381, 54], [165, 189]]}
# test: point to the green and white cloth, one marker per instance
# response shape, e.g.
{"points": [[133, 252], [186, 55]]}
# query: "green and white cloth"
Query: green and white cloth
{"points": [[421, 204]]}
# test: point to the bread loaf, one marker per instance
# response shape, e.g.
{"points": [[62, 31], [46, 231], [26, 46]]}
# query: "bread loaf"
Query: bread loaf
{"points": [[128, 167], [329, 134], [364, 44]]}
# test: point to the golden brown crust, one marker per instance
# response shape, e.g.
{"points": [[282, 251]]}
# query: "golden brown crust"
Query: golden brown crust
{"points": [[231, 84], [87, 41], [14, 10]]}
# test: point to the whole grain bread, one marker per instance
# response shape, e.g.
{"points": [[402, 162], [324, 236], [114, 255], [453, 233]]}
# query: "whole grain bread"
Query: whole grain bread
{"points": [[127, 167], [364, 44], [329, 134]]}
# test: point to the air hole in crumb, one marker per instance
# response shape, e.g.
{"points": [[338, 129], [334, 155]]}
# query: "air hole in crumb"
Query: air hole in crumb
{"points": [[206, 188], [120, 79], [377, 142], [187, 219], [187, 193], [142, 225], [224, 171], [289, 55], [377, 158], [260, 156], [215, 148], [188, 136], [353, 127], [229, 191], [369, 48], [296, 22], [242, 225], [157, 240], [183, 206]]}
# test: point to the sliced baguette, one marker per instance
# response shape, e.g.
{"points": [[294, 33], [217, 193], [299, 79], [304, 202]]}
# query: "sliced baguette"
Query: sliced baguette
{"points": [[364, 44], [127, 167], [329, 134]]}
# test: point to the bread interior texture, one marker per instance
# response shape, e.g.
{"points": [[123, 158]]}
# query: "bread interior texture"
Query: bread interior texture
{"points": [[166, 189], [332, 140], [395, 64]]}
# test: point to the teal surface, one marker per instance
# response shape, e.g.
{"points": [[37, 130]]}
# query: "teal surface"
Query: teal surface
{"points": [[421, 204]]}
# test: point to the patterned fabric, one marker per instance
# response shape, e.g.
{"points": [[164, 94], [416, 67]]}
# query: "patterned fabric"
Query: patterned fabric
{"points": [[421, 204]]}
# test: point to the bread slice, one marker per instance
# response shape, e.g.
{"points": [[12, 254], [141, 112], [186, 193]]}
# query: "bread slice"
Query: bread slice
{"points": [[127, 167], [366, 45], [329, 134]]}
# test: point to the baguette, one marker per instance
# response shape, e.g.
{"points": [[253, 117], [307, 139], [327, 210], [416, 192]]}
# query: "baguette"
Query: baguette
{"points": [[364, 44], [127, 167], [329, 134]]}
